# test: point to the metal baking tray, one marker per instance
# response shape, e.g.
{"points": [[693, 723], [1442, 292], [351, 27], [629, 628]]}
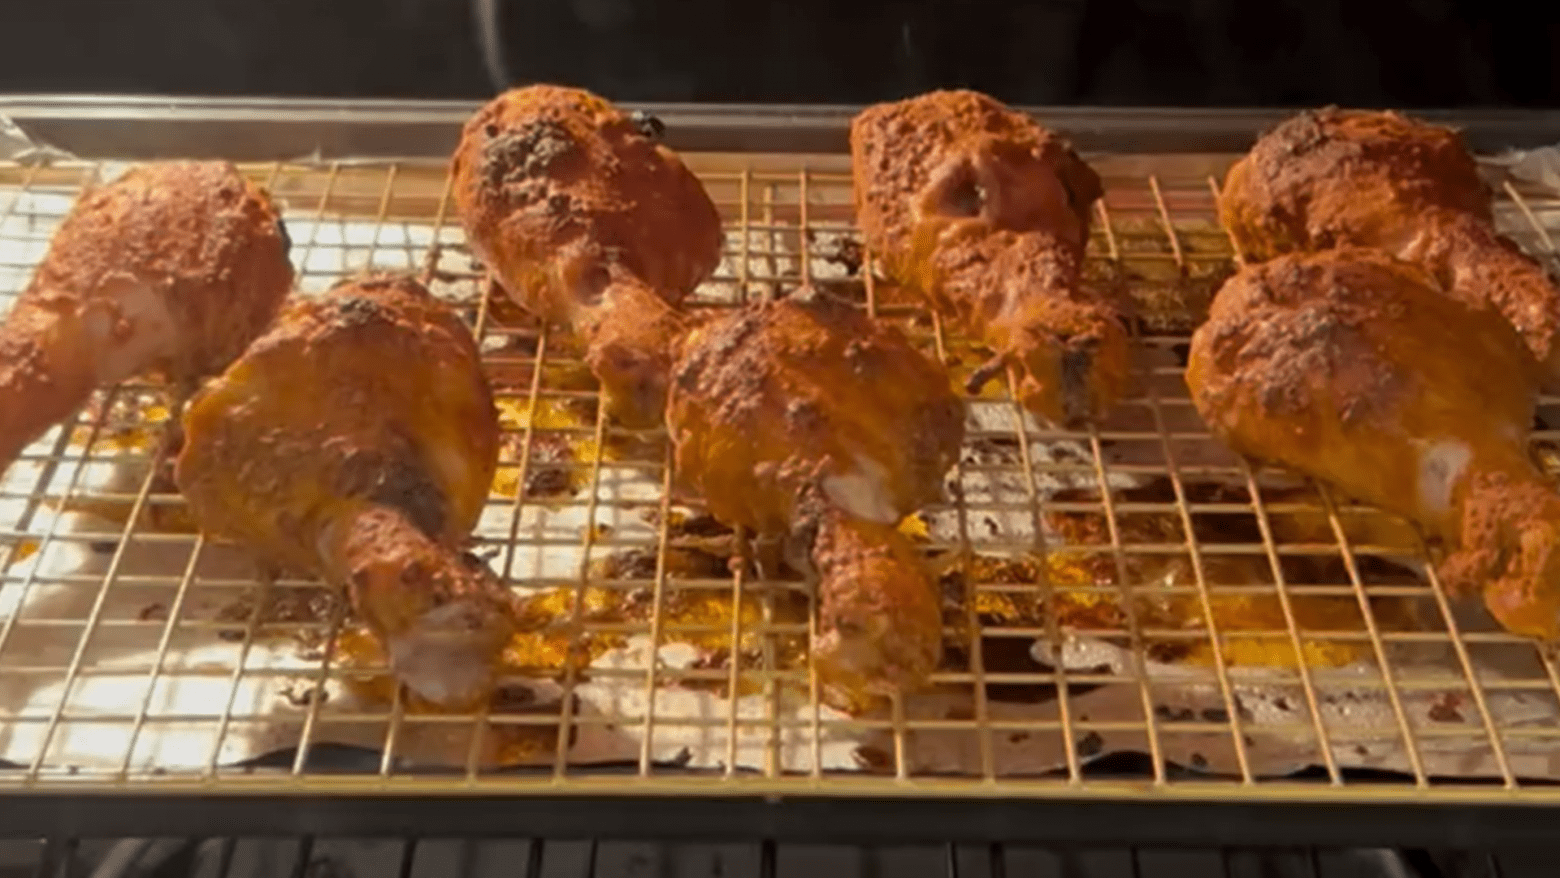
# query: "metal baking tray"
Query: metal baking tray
{"points": [[1113, 650]]}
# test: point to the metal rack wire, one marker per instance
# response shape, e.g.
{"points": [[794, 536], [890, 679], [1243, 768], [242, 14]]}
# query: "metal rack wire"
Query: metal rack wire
{"points": [[154, 605]]}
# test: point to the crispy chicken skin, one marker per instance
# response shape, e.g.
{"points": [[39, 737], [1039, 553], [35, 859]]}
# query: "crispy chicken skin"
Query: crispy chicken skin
{"points": [[986, 214], [171, 269], [1334, 177], [357, 440], [802, 417], [589, 222], [1356, 369]]}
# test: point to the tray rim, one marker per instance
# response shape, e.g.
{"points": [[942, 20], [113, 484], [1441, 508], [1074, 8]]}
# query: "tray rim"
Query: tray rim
{"points": [[284, 129]]}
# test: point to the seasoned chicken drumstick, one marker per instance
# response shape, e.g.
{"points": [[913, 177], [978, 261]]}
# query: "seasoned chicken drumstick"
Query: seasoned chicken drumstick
{"points": [[1346, 177], [1354, 368], [986, 214], [802, 417], [587, 221], [798, 419], [357, 440], [173, 268]]}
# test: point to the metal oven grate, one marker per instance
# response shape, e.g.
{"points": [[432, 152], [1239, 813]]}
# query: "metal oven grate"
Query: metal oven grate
{"points": [[435, 857], [1230, 629]]}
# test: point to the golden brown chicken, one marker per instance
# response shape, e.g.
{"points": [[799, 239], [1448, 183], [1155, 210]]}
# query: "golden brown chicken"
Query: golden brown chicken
{"points": [[589, 222], [171, 269], [802, 417], [986, 214], [1335, 177], [1356, 369], [356, 440]]}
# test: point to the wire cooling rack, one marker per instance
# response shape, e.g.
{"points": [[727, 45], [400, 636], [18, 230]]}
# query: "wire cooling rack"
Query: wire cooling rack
{"points": [[1131, 588]]}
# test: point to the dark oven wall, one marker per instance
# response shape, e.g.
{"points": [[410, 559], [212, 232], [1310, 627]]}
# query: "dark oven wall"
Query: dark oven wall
{"points": [[1185, 52]]}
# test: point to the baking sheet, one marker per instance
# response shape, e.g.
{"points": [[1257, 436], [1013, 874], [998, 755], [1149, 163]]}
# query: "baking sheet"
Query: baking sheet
{"points": [[193, 715]]}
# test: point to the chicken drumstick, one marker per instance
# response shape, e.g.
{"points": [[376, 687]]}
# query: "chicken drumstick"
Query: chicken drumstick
{"points": [[802, 417], [357, 440], [1334, 177], [587, 221], [173, 268], [1356, 369], [986, 214]]}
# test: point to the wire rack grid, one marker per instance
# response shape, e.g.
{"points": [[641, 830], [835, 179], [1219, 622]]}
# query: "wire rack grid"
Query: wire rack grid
{"points": [[1142, 538]]}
